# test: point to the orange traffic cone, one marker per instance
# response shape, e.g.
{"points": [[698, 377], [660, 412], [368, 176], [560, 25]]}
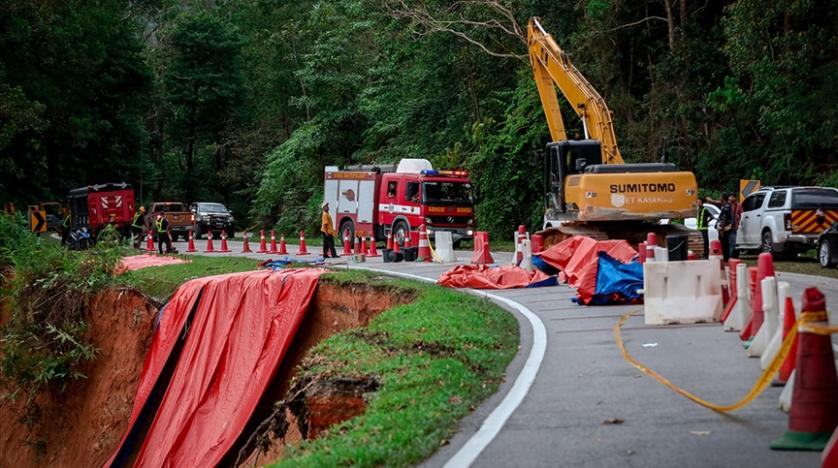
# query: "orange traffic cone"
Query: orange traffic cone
{"points": [[190, 245], [302, 248], [389, 244], [209, 248], [356, 247], [829, 457], [245, 244], [224, 247], [732, 288], [263, 247], [788, 364], [765, 268], [364, 250], [520, 235], [273, 243], [373, 252], [149, 242], [283, 249], [814, 408], [424, 254], [396, 248], [347, 246]]}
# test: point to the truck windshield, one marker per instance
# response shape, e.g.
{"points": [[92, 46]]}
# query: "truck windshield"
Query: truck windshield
{"points": [[213, 208], [814, 198], [455, 193]]}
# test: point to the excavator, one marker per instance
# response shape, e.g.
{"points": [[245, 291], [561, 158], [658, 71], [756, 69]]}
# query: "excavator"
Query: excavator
{"points": [[588, 188]]}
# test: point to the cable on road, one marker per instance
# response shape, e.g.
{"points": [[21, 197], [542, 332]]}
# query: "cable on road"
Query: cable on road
{"points": [[762, 382]]}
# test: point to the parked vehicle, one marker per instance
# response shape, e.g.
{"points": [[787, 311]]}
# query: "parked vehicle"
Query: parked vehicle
{"points": [[180, 219], [91, 207], [211, 216], [712, 232], [786, 220], [379, 200], [827, 246]]}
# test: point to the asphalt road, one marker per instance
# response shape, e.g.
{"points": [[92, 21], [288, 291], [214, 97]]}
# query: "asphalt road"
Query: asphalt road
{"points": [[588, 407]]}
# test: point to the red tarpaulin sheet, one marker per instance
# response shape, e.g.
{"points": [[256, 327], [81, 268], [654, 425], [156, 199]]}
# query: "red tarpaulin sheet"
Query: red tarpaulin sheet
{"points": [[241, 328], [483, 277], [138, 262], [577, 259]]}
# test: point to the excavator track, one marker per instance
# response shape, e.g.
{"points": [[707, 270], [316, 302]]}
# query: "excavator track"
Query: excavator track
{"points": [[632, 231]]}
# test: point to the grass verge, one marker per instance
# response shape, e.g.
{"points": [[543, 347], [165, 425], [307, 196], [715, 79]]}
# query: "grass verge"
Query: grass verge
{"points": [[435, 358], [160, 282], [803, 264]]}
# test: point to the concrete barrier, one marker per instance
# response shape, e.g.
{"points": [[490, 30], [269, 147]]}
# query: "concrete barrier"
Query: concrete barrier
{"points": [[681, 292]]}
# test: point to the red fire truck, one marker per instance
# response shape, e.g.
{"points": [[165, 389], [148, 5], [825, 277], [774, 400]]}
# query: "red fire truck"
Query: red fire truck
{"points": [[381, 199], [92, 206]]}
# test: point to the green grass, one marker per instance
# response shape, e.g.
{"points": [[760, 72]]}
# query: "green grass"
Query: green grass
{"points": [[804, 264], [160, 282], [435, 358]]}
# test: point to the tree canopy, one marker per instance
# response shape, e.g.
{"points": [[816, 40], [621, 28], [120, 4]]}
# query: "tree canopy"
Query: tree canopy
{"points": [[246, 101]]}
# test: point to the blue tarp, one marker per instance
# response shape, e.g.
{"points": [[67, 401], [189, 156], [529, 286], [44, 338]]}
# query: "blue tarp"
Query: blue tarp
{"points": [[617, 278]]}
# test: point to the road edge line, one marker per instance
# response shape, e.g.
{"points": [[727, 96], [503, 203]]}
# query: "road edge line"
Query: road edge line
{"points": [[494, 422]]}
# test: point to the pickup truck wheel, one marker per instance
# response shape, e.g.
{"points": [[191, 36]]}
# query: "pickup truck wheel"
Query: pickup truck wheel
{"points": [[825, 255], [767, 243]]}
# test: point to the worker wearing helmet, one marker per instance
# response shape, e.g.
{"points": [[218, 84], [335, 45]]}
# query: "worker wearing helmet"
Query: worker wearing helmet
{"points": [[138, 226]]}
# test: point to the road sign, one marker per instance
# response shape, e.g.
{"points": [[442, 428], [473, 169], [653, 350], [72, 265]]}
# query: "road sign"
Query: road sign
{"points": [[747, 187], [38, 221]]}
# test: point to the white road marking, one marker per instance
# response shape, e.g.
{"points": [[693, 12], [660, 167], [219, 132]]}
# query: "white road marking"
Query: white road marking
{"points": [[497, 418]]}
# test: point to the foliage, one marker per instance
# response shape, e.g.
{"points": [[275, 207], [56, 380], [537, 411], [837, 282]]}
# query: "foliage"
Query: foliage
{"points": [[46, 290], [435, 358]]}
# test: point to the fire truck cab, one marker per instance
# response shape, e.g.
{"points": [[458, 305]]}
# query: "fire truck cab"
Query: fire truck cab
{"points": [[397, 199]]}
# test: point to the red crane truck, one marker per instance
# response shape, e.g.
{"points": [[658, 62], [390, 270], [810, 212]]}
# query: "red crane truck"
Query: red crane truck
{"points": [[383, 199]]}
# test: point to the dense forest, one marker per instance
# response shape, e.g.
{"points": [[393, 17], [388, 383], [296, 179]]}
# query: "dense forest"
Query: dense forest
{"points": [[245, 101]]}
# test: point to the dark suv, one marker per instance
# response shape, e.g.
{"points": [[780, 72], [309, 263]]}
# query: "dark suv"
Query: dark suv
{"points": [[211, 216]]}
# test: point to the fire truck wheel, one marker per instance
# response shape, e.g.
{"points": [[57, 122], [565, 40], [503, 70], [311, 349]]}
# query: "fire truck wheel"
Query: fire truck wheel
{"points": [[399, 231], [346, 224]]}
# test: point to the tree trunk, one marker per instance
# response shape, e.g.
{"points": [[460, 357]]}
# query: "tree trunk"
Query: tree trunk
{"points": [[670, 24]]}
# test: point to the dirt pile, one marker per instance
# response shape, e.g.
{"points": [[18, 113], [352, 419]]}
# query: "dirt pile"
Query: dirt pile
{"points": [[80, 427]]}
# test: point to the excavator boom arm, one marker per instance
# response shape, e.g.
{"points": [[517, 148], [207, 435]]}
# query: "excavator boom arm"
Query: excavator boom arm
{"points": [[552, 68]]}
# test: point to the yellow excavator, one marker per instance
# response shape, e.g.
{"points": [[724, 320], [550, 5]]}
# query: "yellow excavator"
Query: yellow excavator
{"points": [[588, 188]]}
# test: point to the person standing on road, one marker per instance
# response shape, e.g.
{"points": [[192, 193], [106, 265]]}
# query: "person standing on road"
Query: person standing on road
{"points": [[138, 226], [65, 225], [328, 230], [161, 226], [725, 225], [702, 219], [736, 216]]}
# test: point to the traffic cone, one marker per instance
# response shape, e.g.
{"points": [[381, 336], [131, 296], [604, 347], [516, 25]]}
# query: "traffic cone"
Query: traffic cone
{"points": [[373, 252], [273, 243], [734, 294], [768, 290], [209, 248], [829, 457], [302, 248], [482, 254], [224, 247], [356, 244], [520, 235], [396, 248], [776, 338], [538, 243], [190, 245], [715, 248], [364, 251], [283, 248], [149, 242], [741, 313], [389, 244], [347, 246], [245, 244], [765, 268], [263, 247], [814, 408], [424, 254], [787, 368]]}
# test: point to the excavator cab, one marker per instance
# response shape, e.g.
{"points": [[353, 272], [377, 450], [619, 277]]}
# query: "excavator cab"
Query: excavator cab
{"points": [[564, 158]]}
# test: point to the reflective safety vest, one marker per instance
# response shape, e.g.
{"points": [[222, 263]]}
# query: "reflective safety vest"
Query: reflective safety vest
{"points": [[159, 224], [700, 222], [136, 222], [66, 222]]}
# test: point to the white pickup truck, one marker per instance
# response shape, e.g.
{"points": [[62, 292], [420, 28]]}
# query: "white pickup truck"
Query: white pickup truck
{"points": [[786, 220]]}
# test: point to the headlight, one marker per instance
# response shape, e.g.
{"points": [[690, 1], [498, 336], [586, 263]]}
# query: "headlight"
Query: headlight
{"points": [[427, 220], [205, 218], [469, 232]]}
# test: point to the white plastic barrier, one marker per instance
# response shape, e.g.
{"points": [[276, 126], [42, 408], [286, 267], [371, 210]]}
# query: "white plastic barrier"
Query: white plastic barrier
{"points": [[444, 246], [769, 320], [783, 292], [681, 292], [526, 250], [742, 309]]}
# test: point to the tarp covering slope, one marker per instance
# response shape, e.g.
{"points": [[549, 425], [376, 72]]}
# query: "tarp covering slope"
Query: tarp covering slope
{"points": [[617, 281], [483, 277], [241, 327], [138, 262]]}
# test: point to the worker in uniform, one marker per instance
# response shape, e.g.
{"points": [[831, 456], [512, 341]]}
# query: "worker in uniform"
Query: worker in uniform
{"points": [[65, 225], [161, 228], [702, 223], [138, 226], [328, 230], [725, 225]]}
